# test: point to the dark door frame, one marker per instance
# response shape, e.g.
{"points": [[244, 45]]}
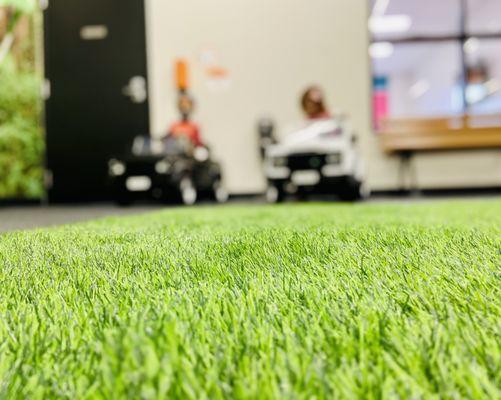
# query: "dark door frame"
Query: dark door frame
{"points": [[50, 119]]}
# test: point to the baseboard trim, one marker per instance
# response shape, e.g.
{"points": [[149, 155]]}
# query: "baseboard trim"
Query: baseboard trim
{"points": [[20, 202], [259, 197], [496, 190]]}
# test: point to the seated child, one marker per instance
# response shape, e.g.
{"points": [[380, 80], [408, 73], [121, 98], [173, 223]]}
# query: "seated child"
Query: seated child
{"points": [[185, 127], [313, 104]]}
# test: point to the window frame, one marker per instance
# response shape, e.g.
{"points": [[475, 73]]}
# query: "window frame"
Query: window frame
{"points": [[461, 38]]}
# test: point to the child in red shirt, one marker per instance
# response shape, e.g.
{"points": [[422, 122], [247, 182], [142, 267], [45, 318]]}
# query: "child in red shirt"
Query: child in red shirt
{"points": [[185, 127]]}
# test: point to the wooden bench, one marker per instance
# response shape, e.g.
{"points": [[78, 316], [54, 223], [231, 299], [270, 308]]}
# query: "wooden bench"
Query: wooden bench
{"points": [[406, 137]]}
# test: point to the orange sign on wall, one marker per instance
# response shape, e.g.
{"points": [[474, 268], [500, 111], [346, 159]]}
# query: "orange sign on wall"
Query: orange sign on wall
{"points": [[182, 75]]}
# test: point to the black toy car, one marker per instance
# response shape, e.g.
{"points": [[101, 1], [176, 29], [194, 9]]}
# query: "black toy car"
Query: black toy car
{"points": [[169, 170]]}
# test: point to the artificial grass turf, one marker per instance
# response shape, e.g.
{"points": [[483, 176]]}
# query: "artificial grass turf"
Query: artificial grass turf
{"points": [[294, 301]]}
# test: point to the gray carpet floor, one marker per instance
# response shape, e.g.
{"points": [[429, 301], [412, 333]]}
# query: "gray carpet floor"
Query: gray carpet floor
{"points": [[29, 217]]}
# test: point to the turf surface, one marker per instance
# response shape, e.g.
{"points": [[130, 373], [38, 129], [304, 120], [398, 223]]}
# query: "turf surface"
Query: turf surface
{"points": [[294, 301]]}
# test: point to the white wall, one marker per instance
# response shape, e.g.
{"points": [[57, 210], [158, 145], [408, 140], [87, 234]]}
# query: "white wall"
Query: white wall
{"points": [[273, 49]]}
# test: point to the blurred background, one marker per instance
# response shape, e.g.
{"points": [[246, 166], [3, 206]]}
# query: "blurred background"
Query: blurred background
{"points": [[79, 79]]}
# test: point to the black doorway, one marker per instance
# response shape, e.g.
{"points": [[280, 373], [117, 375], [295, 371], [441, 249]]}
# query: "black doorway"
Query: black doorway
{"points": [[96, 91]]}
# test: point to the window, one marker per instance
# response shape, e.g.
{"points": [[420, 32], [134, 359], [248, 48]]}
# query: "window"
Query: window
{"points": [[483, 17], [422, 79], [403, 19], [483, 91], [436, 59]]}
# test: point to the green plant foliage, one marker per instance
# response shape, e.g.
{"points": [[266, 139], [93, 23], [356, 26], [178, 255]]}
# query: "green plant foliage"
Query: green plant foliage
{"points": [[288, 302], [22, 6], [21, 140], [21, 149]]}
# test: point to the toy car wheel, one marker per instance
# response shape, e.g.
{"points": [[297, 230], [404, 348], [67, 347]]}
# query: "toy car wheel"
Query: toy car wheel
{"points": [[124, 201], [274, 194], [353, 190], [221, 195], [122, 198], [189, 194], [365, 191], [302, 195]]}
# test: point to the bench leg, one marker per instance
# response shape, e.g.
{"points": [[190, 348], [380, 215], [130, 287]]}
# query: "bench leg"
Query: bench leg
{"points": [[407, 174]]}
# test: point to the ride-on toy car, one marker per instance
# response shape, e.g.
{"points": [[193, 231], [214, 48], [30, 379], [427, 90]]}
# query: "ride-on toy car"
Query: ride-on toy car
{"points": [[319, 158], [169, 169]]}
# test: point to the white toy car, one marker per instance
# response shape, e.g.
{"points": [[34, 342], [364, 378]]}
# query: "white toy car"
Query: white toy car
{"points": [[320, 158]]}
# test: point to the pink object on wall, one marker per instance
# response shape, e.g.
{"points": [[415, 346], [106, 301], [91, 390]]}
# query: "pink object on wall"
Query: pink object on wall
{"points": [[380, 100]]}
